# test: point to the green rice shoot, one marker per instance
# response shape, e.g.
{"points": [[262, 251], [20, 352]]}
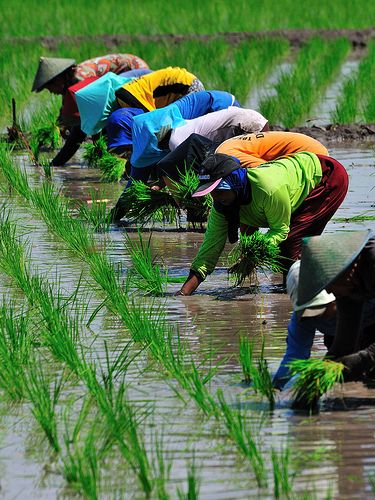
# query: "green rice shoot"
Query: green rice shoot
{"points": [[252, 252], [46, 136], [95, 151], [315, 378], [142, 204], [112, 167]]}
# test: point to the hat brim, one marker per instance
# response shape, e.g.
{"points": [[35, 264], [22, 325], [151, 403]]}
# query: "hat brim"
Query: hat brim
{"points": [[206, 188]]}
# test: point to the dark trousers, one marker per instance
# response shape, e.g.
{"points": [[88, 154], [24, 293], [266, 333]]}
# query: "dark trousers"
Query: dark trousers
{"points": [[317, 209]]}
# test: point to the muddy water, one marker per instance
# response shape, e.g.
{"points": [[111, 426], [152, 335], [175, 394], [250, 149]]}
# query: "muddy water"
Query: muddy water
{"points": [[334, 449]]}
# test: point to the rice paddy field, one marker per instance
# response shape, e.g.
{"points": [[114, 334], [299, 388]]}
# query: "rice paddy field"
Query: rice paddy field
{"points": [[110, 385]]}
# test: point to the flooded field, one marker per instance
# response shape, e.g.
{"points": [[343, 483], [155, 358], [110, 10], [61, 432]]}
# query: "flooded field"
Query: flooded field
{"points": [[330, 454]]}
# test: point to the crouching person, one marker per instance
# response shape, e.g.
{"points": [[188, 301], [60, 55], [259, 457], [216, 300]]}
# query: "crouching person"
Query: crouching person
{"points": [[344, 264], [319, 314]]}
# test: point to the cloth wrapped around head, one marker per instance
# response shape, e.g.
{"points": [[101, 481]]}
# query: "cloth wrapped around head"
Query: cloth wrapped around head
{"points": [[119, 127]]}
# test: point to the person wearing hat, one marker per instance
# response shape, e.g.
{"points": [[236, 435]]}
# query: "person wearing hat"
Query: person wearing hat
{"points": [[63, 77], [319, 314], [344, 264], [257, 148], [293, 196]]}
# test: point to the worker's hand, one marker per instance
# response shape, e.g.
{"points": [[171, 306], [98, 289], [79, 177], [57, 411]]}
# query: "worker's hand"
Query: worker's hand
{"points": [[355, 365], [190, 285]]}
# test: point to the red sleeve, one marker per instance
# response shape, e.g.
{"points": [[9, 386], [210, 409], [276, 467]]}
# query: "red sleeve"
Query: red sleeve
{"points": [[69, 106]]}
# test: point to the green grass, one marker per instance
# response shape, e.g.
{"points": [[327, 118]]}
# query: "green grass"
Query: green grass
{"points": [[315, 378], [36, 18], [94, 151], [252, 252], [356, 102], [298, 90]]}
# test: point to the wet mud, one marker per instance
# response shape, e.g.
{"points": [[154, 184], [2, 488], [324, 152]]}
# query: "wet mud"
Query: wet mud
{"points": [[296, 37]]}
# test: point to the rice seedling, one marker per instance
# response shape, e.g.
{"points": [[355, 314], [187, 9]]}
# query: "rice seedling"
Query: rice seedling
{"points": [[80, 20], [162, 465], [193, 484], [111, 167], [142, 204], [252, 252], [95, 151], [282, 477], [355, 218], [239, 430], [371, 480], [46, 136], [255, 369], [81, 463], [44, 399], [316, 65], [94, 211], [15, 177], [146, 274], [356, 100], [15, 350], [315, 378]]}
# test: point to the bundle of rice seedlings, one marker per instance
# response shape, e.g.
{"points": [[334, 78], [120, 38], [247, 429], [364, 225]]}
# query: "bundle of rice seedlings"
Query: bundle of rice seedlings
{"points": [[112, 167], [143, 204], [47, 136], [198, 208], [95, 151], [254, 251], [315, 378]]}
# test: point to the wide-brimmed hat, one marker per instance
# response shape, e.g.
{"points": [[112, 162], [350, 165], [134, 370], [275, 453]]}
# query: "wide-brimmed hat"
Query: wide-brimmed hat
{"points": [[324, 258], [213, 169], [316, 305], [48, 69]]}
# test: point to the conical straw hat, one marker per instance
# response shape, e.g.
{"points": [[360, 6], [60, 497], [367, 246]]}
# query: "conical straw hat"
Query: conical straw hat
{"points": [[48, 69], [325, 257]]}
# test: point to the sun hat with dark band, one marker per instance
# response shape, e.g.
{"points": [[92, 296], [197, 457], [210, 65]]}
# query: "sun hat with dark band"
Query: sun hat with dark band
{"points": [[316, 306], [214, 168], [48, 69], [324, 258]]}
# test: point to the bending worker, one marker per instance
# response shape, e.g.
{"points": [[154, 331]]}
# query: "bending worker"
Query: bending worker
{"points": [[254, 149], [158, 89], [344, 264], [319, 314], [293, 196], [64, 77]]}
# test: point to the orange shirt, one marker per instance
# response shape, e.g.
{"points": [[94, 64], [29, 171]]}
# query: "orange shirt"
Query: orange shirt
{"points": [[254, 149]]}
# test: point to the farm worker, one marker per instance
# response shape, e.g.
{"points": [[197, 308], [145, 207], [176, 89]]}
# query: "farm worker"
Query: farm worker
{"points": [[147, 136], [123, 128], [317, 314], [58, 76], [294, 196], [215, 126], [344, 264], [254, 149], [158, 89]]}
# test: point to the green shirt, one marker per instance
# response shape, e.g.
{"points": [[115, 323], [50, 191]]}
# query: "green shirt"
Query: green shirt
{"points": [[277, 189]]}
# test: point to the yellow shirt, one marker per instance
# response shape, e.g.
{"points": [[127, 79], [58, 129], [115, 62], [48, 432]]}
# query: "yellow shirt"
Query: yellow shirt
{"points": [[254, 149], [157, 89]]}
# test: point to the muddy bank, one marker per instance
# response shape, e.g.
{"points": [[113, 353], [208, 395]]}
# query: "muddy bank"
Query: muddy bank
{"points": [[358, 38], [331, 133], [334, 133]]}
